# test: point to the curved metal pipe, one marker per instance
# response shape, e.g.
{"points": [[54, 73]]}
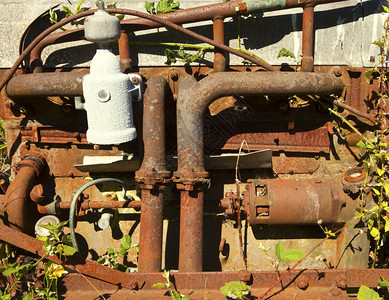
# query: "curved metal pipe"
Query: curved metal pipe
{"points": [[152, 176], [18, 192], [185, 16], [194, 98]]}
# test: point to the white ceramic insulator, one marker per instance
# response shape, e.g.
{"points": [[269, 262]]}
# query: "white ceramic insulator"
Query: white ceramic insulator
{"points": [[46, 220], [108, 101], [102, 27]]}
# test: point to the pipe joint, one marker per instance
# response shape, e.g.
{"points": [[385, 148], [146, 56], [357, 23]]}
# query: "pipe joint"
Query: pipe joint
{"points": [[32, 160]]}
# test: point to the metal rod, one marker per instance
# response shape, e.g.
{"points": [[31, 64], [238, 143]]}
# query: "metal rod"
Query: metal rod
{"points": [[219, 59], [124, 52], [308, 39]]}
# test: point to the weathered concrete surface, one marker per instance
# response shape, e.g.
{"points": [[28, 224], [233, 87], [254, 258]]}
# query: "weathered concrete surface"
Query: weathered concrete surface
{"points": [[343, 33]]}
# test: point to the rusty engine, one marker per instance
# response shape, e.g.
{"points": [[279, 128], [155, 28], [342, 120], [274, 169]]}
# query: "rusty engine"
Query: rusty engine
{"points": [[204, 164]]}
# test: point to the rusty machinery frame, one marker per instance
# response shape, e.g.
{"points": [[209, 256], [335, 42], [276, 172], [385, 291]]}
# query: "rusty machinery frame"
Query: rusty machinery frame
{"points": [[191, 179]]}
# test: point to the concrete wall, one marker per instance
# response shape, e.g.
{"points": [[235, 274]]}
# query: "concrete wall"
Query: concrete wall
{"points": [[343, 33]]}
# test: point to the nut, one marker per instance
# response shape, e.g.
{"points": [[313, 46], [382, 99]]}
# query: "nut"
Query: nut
{"points": [[302, 284]]}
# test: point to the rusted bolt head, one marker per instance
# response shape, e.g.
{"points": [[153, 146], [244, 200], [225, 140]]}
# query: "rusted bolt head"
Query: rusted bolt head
{"points": [[302, 284], [335, 292], [173, 75], [337, 71], [372, 59], [341, 283], [134, 80], [96, 147], [244, 275]]}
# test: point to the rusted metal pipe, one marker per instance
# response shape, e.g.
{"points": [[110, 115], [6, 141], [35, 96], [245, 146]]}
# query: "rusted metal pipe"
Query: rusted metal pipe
{"points": [[194, 98], [86, 204], [46, 84], [308, 39], [15, 207], [151, 230], [124, 52], [152, 176], [219, 59], [190, 257], [185, 16]]}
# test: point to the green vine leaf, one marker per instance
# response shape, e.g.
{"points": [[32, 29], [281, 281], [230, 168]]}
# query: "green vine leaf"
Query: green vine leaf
{"points": [[288, 256], [235, 290], [366, 293], [159, 285], [150, 7], [383, 283], [286, 53], [170, 57], [166, 6], [368, 73]]}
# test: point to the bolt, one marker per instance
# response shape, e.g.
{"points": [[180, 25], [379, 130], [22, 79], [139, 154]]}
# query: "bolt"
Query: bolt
{"points": [[173, 75], [341, 283], [244, 275], [372, 59], [302, 284], [338, 72], [135, 80], [96, 147], [335, 292]]}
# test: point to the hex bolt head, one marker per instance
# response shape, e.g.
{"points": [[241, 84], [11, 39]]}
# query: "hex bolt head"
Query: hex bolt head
{"points": [[283, 106], [337, 71], [244, 275], [302, 284], [341, 283]]}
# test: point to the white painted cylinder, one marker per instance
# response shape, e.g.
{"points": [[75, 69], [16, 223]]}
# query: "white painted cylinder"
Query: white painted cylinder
{"points": [[108, 101]]}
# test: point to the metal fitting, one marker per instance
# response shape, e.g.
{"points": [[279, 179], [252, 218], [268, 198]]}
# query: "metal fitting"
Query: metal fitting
{"points": [[302, 284]]}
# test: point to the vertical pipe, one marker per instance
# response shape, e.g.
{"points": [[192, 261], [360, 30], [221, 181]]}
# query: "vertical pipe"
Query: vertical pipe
{"points": [[308, 36], [191, 231], [124, 52], [151, 220], [152, 176], [219, 60]]}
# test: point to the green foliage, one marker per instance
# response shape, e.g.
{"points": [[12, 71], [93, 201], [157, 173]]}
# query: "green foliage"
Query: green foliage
{"points": [[163, 6], [175, 295], [113, 5], [53, 17], [235, 290], [112, 257], [288, 256], [286, 53], [3, 146], [383, 283], [366, 293], [183, 56]]}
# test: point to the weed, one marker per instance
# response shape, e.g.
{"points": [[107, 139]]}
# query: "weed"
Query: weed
{"points": [[235, 290], [111, 257], [168, 286]]}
